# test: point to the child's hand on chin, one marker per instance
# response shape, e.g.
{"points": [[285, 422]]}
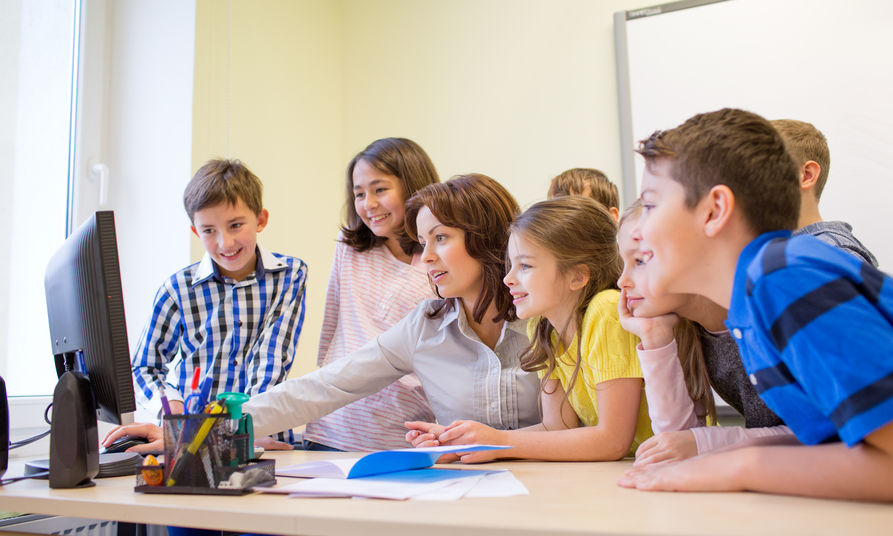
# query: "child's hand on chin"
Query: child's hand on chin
{"points": [[655, 332]]}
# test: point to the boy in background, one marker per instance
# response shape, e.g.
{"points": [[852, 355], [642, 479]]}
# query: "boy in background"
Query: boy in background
{"points": [[588, 183], [237, 313], [809, 149], [812, 323]]}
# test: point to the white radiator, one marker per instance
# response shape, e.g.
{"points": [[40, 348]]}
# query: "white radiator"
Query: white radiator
{"points": [[71, 526]]}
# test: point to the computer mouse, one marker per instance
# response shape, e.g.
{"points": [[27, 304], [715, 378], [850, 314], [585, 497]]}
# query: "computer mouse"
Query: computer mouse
{"points": [[123, 443]]}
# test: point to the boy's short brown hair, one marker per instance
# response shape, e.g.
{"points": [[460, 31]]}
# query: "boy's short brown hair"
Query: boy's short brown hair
{"points": [[575, 181], [805, 143], [223, 181], [738, 149]]}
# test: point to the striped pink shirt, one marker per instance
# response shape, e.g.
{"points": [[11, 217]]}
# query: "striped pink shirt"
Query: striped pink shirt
{"points": [[368, 293]]}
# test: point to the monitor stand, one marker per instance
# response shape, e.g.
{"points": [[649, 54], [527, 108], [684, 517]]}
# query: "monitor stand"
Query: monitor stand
{"points": [[110, 464]]}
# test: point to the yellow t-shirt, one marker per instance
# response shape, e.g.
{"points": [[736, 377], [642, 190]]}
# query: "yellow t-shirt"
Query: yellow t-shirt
{"points": [[608, 353]]}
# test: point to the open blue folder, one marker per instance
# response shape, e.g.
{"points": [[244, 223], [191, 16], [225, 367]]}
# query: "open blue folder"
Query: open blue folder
{"points": [[378, 463]]}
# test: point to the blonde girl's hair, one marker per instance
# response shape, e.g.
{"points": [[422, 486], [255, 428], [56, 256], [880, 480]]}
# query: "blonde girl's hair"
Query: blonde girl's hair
{"points": [[575, 181], [688, 342], [578, 232]]}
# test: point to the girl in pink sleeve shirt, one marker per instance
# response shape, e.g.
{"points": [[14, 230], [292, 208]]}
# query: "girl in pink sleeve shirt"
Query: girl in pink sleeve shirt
{"points": [[677, 376]]}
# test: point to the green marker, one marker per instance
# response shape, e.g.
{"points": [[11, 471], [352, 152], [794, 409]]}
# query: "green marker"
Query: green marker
{"points": [[233, 402]]}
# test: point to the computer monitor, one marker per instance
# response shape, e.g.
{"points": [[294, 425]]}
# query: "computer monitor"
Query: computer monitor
{"points": [[85, 306]]}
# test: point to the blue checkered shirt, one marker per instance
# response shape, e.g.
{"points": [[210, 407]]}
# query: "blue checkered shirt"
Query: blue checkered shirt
{"points": [[242, 333]]}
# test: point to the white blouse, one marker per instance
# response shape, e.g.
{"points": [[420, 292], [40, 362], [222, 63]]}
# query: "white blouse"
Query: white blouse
{"points": [[462, 377]]}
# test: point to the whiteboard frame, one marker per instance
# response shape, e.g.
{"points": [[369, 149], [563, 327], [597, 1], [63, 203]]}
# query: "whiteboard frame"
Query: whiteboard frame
{"points": [[624, 99]]}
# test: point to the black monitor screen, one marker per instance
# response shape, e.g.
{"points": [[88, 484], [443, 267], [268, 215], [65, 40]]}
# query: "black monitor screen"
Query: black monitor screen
{"points": [[85, 306]]}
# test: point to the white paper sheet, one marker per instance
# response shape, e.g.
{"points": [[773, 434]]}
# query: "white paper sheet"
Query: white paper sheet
{"points": [[418, 484]]}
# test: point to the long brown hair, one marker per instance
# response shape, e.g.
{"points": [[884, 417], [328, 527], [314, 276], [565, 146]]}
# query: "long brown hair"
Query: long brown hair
{"points": [[398, 157], [577, 231], [483, 209], [688, 342]]}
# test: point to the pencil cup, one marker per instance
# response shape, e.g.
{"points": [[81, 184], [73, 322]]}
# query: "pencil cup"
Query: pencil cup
{"points": [[206, 454], [197, 448]]}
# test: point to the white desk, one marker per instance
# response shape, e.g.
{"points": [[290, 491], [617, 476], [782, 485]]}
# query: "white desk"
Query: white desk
{"points": [[565, 498]]}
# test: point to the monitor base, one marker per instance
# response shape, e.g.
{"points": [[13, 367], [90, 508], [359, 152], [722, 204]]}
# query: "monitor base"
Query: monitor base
{"points": [[112, 464]]}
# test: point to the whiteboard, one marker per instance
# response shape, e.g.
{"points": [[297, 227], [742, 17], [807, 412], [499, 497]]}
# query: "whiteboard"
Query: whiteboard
{"points": [[826, 62]]}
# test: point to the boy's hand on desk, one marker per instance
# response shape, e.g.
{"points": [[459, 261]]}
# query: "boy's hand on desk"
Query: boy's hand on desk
{"points": [[667, 447], [149, 431], [709, 472]]}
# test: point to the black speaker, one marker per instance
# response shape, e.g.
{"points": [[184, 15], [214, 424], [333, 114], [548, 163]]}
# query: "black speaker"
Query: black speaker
{"points": [[4, 429], [74, 440]]}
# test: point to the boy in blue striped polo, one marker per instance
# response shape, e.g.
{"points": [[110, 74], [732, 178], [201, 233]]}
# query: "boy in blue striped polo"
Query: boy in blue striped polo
{"points": [[236, 315], [814, 325]]}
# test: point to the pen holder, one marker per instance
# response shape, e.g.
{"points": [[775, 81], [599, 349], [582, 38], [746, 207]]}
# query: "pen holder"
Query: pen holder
{"points": [[237, 480], [206, 453], [196, 449]]}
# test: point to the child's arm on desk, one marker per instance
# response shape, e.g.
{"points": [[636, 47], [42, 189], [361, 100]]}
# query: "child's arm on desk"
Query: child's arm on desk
{"points": [[559, 438], [683, 444], [557, 414], [834, 471]]}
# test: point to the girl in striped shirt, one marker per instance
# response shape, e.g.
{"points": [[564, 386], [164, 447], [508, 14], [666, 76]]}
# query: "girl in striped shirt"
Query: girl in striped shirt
{"points": [[377, 277]]}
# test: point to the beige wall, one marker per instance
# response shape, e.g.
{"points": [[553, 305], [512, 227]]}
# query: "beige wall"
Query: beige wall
{"points": [[519, 90], [276, 104]]}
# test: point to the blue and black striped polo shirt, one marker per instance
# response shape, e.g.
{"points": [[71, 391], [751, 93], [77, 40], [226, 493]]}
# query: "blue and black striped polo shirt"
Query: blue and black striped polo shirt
{"points": [[815, 329]]}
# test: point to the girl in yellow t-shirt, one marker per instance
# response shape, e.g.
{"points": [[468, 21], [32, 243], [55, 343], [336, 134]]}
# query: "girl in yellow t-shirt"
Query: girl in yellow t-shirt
{"points": [[564, 268]]}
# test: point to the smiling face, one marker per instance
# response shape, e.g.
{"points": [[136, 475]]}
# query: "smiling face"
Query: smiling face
{"points": [[670, 233], [378, 200], [229, 234], [634, 278], [454, 272], [536, 283]]}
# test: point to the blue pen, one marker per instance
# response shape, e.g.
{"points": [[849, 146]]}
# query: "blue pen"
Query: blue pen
{"points": [[205, 392]]}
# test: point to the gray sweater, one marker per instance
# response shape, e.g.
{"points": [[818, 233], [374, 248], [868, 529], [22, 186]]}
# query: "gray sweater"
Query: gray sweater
{"points": [[729, 380], [838, 234]]}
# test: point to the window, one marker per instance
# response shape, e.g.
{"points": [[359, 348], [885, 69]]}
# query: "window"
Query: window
{"points": [[36, 121]]}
